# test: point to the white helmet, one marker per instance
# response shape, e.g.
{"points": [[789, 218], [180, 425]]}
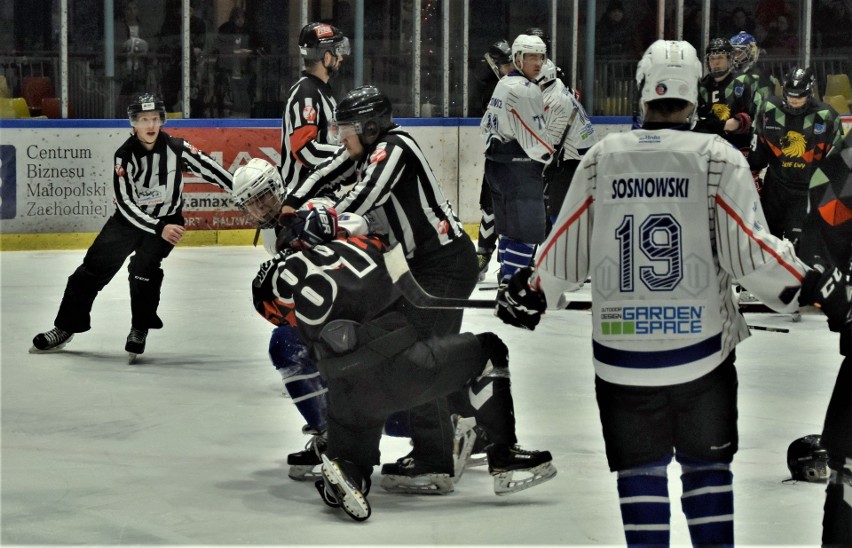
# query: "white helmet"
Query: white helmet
{"points": [[547, 74], [669, 69], [259, 192], [524, 44]]}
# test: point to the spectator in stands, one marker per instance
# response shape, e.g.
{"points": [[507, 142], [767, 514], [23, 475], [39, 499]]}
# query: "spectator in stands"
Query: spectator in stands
{"points": [[171, 44], [616, 35], [782, 37], [832, 25], [131, 43], [739, 21]]}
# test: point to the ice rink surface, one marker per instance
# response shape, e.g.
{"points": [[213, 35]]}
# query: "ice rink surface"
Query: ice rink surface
{"points": [[188, 446]]}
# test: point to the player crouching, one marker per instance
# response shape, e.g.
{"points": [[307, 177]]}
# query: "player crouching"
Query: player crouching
{"points": [[333, 286]]}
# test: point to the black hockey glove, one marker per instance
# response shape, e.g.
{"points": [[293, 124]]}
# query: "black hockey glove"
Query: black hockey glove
{"points": [[826, 287], [519, 305], [307, 228]]}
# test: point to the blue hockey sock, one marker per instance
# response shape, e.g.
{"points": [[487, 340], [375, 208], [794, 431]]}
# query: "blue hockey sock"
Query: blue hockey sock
{"points": [[515, 256], [645, 508], [708, 501]]}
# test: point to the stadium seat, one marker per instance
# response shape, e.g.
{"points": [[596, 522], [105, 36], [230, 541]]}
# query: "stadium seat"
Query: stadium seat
{"points": [[838, 84], [52, 107], [838, 103], [6, 109], [5, 92], [34, 89], [19, 105]]}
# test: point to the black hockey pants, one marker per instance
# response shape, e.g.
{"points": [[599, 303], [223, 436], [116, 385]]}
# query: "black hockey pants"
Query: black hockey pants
{"points": [[391, 370], [116, 241]]}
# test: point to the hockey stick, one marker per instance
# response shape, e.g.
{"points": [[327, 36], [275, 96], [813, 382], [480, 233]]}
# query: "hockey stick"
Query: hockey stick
{"points": [[772, 329], [412, 291]]}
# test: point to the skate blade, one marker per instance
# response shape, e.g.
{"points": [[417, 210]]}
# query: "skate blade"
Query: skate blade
{"points": [[424, 484], [506, 484], [353, 502], [34, 350], [131, 358], [328, 497], [304, 472]]}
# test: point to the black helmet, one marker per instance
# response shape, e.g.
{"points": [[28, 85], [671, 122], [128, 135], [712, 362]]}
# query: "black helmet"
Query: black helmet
{"points": [[798, 83], [366, 108], [715, 47], [500, 52], [146, 102], [318, 38], [807, 459]]}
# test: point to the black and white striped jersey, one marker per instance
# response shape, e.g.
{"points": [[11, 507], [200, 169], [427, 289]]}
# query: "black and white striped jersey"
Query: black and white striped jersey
{"points": [[148, 185], [305, 139], [394, 183]]}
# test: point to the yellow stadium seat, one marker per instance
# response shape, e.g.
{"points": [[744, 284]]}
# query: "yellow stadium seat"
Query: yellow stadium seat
{"points": [[22, 110], [6, 108], [838, 84], [838, 103], [5, 93], [172, 115]]}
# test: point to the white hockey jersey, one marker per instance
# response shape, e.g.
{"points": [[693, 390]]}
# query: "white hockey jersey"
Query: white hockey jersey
{"points": [[516, 113], [560, 109], [664, 222]]}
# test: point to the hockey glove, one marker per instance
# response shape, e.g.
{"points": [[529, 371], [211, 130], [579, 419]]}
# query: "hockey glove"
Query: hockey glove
{"points": [[518, 304], [827, 288], [308, 228], [745, 122]]}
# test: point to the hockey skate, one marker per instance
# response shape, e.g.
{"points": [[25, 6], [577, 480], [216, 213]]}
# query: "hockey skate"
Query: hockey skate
{"points": [[303, 465], [406, 475], [468, 439], [49, 341], [484, 260], [504, 462], [135, 343], [343, 486]]}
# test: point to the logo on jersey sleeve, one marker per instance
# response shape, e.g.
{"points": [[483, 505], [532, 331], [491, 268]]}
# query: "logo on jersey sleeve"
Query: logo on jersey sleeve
{"points": [[192, 149], [119, 170], [309, 113], [8, 182], [379, 155]]}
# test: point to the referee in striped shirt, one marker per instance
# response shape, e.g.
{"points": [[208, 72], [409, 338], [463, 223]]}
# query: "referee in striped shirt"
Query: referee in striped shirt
{"points": [[148, 222]]}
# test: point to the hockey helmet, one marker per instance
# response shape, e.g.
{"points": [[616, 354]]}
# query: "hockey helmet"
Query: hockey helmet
{"points": [[146, 102], [807, 459], [669, 69], [719, 46], [547, 75], [500, 52], [259, 192], [366, 110], [538, 31], [526, 44], [745, 51], [798, 83], [317, 38]]}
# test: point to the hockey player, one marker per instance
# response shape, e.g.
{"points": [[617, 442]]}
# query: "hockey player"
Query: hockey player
{"points": [[727, 103], [496, 63], [340, 296], [570, 132], [393, 182], [516, 151], [148, 222], [793, 134], [645, 208], [306, 143], [744, 57], [830, 203]]}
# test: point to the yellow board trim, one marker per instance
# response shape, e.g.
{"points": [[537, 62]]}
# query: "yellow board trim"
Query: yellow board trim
{"points": [[193, 238]]}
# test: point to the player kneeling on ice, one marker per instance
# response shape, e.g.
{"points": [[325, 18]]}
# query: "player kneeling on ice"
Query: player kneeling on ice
{"points": [[333, 286]]}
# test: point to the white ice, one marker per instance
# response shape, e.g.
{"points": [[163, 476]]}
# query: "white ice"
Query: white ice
{"points": [[188, 446]]}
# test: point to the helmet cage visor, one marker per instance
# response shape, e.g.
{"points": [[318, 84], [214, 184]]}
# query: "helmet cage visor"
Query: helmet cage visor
{"points": [[262, 207], [343, 130], [337, 48]]}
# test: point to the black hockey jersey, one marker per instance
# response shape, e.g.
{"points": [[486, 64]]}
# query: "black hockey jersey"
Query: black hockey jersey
{"points": [[720, 101], [345, 279], [148, 185], [791, 146]]}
